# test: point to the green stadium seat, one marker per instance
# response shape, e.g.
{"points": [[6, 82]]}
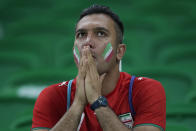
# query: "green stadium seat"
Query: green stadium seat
{"points": [[23, 122], [182, 115], [191, 97], [10, 44], [177, 84], [187, 109], [14, 62], [46, 25], [177, 127], [42, 76], [24, 59], [27, 85], [179, 56], [13, 109], [163, 44]]}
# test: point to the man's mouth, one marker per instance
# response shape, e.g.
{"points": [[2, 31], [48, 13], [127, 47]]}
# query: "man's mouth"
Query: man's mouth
{"points": [[93, 56]]}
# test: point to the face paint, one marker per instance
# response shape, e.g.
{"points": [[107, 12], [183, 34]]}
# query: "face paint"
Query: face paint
{"points": [[108, 51], [76, 54]]}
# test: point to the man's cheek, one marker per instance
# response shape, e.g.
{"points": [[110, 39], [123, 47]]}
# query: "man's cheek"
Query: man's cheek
{"points": [[108, 52], [76, 54]]}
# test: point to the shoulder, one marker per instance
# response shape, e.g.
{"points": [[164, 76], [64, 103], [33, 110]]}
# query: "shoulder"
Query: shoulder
{"points": [[147, 91], [54, 89], [149, 101], [50, 94], [57, 91], [50, 105], [143, 84]]}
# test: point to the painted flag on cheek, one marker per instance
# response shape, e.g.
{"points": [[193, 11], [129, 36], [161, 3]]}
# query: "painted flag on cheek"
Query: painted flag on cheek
{"points": [[76, 54], [108, 51]]}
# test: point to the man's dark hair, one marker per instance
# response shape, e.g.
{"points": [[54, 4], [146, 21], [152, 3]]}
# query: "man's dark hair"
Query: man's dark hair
{"points": [[99, 9]]}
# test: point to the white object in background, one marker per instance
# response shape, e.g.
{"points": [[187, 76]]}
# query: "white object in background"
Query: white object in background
{"points": [[30, 91], [120, 66]]}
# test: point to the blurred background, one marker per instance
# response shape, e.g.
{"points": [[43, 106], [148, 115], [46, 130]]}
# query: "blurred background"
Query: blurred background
{"points": [[36, 39]]}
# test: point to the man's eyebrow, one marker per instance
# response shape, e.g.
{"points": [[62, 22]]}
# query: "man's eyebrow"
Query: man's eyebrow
{"points": [[102, 28], [97, 28], [80, 30]]}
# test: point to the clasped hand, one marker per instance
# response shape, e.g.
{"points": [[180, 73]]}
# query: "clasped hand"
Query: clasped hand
{"points": [[88, 81]]}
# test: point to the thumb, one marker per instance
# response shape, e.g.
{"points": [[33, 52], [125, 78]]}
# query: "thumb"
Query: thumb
{"points": [[102, 77]]}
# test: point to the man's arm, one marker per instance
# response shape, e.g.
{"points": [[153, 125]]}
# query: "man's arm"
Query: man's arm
{"points": [[106, 117], [71, 119], [110, 122]]}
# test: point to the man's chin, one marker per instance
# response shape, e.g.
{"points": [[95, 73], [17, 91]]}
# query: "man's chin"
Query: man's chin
{"points": [[101, 72]]}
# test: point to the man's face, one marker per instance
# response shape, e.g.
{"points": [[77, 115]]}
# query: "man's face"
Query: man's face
{"points": [[97, 31]]}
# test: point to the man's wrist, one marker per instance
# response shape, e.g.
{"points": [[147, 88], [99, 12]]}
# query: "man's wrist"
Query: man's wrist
{"points": [[93, 99], [100, 102], [79, 104]]}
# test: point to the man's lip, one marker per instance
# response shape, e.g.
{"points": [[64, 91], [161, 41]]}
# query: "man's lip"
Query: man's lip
{"points": [[93, 56]]}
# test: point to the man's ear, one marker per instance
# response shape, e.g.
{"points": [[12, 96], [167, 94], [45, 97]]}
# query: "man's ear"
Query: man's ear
{"points": [[120, 51]]}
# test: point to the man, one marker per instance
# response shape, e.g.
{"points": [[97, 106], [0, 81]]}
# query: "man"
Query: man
{"points": [[100, 93]]}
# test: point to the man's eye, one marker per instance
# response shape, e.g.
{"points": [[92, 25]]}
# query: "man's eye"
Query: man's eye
{"points": [[100, 33], [80, 35]]}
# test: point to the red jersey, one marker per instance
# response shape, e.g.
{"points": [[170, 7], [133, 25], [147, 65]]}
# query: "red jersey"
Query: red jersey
{"points": [[148, 98]]}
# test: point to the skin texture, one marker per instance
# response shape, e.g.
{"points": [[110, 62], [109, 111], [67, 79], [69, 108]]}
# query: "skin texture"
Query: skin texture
{"points": [[96, 77]]}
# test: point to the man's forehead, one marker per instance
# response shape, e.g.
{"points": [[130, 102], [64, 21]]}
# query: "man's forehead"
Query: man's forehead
{"points": [[95, 20]]}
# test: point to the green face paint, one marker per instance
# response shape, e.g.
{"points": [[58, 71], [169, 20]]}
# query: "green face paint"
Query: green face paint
{"points": [[108, 52], [76, 54]]}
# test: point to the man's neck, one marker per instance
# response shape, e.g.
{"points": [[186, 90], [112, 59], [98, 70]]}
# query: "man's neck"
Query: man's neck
{"points": [[110, 81]]}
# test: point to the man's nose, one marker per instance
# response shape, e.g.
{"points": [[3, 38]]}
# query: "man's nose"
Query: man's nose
{"points": [[89, 41]]}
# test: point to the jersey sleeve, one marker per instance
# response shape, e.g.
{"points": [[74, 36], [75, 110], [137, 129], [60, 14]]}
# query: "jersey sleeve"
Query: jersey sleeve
{"points": [[149, 103], [46, 113]]}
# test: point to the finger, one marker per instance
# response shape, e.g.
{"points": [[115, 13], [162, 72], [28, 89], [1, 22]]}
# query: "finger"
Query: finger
{"points": [[93, 73], [82, 68], [80, 62], [90, 57], [102, 77], [87, 78], [92, 65], [91, 61]]}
